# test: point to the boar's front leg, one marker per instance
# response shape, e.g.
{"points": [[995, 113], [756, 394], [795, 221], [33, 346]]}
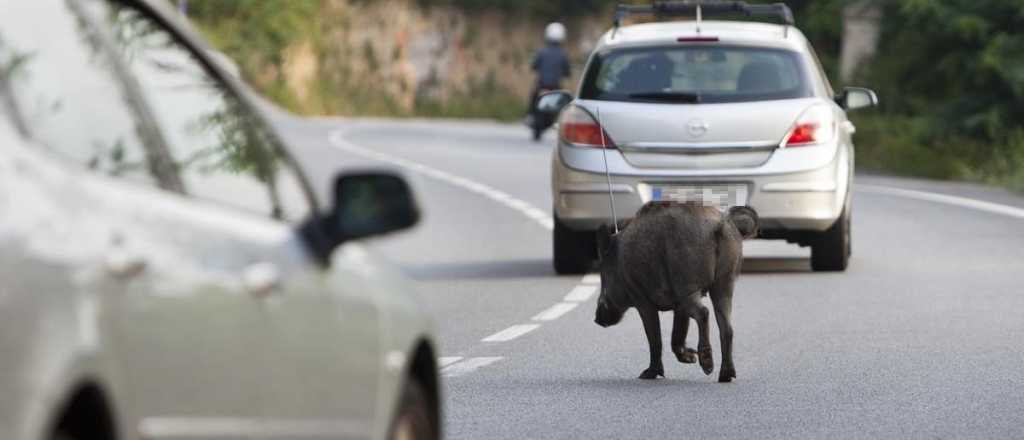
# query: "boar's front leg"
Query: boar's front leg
{"points": [[680, 327], [652, 326]]}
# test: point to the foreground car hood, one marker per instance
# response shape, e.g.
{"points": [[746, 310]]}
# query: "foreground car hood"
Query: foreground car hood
{"points": [[712, 125]]}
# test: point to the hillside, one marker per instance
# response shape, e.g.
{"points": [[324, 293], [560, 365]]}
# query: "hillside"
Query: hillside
{"points": [[387, 57]]}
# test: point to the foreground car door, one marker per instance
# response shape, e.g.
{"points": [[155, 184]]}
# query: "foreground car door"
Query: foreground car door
{"points": [[319, 334], [177, 329]]}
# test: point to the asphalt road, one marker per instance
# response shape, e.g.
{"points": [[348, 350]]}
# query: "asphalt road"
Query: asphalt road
{"points": [[921, 338]]}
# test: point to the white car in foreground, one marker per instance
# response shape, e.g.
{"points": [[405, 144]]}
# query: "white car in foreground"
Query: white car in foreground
{"points": [[166, 271], [723, 113]]}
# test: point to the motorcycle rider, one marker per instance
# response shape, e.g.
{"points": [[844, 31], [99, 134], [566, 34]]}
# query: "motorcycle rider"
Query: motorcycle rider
{"points": [[551, 64]]}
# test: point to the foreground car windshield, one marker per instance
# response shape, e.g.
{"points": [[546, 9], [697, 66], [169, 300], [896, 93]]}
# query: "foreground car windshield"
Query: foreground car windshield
{"points": [[696, 74]]}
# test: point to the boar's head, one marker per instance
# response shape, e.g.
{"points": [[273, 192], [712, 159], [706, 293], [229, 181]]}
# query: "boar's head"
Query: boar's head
{"points": [[613, 301]]}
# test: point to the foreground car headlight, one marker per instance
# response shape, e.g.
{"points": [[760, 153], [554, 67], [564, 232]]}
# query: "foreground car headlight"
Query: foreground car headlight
{"points": [[815, 126]]}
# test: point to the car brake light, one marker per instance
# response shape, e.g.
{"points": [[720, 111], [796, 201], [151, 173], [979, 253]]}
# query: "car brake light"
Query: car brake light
{"points": [[697, 39], [803, 134], [579, 128], [815, 126]]}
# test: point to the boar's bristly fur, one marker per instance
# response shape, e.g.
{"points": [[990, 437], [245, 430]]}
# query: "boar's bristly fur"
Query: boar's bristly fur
{"points": [[665, 259]]}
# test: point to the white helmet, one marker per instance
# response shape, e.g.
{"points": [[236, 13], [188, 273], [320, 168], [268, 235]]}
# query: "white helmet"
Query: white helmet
{"points": [[555, 33]]}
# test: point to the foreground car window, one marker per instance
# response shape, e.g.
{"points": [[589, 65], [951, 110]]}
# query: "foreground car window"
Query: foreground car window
{"points": [[223, 152], [57, 75], [696, 74]]}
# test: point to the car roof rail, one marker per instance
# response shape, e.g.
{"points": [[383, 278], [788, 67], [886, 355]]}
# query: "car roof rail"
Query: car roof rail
{"points": [[702, 8]]}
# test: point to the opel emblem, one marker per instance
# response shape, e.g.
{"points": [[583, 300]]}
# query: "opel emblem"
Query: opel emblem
{"points": [[697, 127]]}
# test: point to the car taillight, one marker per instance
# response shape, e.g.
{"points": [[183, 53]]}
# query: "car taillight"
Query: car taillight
{"points": [[815, 126], [579, 128]]}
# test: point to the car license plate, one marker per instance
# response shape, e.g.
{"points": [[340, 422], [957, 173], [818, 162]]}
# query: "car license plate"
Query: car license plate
{"points": [[721, 196]]}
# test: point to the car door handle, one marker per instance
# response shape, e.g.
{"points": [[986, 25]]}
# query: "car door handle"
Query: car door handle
{"points": [[261, 279], [123, 264]]}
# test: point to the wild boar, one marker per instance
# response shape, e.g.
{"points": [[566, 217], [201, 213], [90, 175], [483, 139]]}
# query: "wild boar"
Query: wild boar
{"points": [[666, 259]]}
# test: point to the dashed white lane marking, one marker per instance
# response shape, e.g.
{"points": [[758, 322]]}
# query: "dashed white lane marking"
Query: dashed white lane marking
{"points": [[538, 216], [556, 311], [469, 365], [591, 278], [581, 293], [511, 333], [448, 360], [963, 202]]}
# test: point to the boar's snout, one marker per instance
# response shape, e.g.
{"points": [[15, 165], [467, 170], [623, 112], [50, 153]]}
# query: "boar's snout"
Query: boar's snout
{"points": [[607, 315]]}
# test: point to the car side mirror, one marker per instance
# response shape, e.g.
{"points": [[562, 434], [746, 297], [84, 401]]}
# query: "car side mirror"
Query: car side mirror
{"points": [[553, 102], [367, 204], [854, 98]]}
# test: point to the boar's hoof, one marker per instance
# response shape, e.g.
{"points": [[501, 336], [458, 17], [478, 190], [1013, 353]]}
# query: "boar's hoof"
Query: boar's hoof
{"points": [[707, 362], [652, 373], [686, 356], [727, 374]]}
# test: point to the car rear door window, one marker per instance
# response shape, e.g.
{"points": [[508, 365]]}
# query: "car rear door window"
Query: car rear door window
{"points": [[67, 95], [224, 153], [696, 74]]}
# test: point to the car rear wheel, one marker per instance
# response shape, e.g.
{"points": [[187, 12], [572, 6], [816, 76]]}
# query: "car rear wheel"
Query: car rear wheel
{"points": [[831, 250], [413, 421], [574, 250]]}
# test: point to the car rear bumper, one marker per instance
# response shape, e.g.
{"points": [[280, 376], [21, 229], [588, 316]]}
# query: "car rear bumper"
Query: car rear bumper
{"points": [[805, 200]]}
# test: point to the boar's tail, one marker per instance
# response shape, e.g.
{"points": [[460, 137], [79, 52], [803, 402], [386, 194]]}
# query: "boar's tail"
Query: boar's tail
{"points": [[745, 219]]}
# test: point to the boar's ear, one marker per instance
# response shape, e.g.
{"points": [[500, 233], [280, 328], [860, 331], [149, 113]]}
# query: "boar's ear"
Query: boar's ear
{"points": [[745, 219]]}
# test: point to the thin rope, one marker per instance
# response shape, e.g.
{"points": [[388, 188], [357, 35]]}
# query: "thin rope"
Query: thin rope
{"points": [[607, 172]]}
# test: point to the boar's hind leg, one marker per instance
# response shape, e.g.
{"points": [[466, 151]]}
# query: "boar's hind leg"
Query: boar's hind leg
{"points": [[701, 315], [721, 299], [652, 326], [680, 327]]}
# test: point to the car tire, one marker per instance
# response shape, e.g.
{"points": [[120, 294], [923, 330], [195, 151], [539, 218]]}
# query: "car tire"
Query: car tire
{"points": [[574, 251], [831, 249], [413, 420]]}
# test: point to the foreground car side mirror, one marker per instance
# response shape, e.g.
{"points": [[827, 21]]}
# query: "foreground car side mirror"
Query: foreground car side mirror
{"points": [[854, 98], [371, 203], [366, 204], [553, 102]]}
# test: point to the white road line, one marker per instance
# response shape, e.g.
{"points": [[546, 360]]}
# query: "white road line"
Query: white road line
{"points": [[963, 202], [538, 216], [511, 333], [581, 293], [591, 278], [448, 360], [554, 312], [469, 365]]}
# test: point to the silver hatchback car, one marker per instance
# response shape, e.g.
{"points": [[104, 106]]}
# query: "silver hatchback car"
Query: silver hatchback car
{"points": [[722, 113]]}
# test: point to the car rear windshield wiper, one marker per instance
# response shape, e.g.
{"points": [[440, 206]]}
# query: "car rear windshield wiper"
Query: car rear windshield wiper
{"points": [[682, 97]]}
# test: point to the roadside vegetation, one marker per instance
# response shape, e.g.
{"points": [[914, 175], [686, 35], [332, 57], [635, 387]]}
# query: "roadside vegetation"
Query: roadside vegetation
{"points": [[949, 73]]}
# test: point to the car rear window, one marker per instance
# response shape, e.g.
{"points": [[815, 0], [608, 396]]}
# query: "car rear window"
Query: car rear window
{"points": [[696, 74]]}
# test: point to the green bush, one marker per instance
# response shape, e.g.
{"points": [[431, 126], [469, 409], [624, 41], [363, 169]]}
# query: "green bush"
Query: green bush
{"points": [[255, 33], [950, 75]]}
